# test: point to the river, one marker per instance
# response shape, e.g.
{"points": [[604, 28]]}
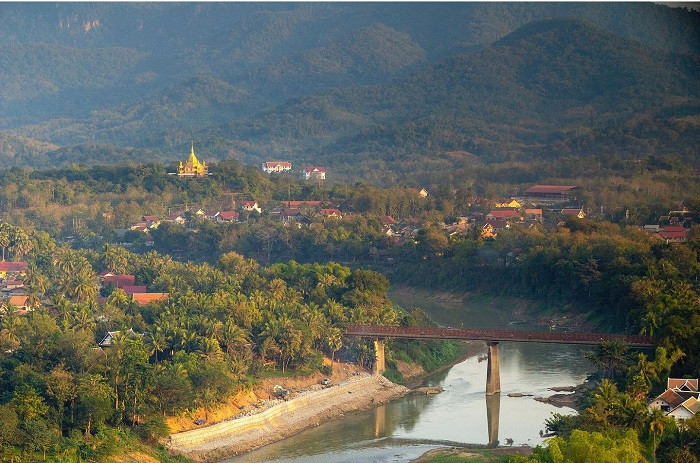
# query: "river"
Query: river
{"points": [[406, 428]]}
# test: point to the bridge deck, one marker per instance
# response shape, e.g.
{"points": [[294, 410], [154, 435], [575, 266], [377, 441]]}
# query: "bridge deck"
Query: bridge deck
{"points": [[496, 335]]}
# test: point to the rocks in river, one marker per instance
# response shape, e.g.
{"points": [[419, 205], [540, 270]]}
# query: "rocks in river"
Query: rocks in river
{"points": [[519, 394], [428, 390], [564, 388]]}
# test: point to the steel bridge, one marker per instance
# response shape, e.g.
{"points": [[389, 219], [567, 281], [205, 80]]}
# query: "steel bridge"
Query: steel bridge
{"points": [[491, 337]]}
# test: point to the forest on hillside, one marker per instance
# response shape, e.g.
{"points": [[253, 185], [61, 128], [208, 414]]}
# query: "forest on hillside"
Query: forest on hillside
{"points": [[375, 97]]}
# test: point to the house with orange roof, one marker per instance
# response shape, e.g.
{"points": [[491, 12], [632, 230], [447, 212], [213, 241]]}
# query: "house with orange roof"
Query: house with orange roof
{"points": [[147, 298], [20, 302], [534, 214]]}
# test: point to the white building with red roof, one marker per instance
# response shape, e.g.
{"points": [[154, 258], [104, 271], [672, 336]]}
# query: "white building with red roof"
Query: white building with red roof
{"points": [[271, 167], [314, 173]]}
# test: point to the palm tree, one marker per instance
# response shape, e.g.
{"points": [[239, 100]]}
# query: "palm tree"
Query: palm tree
{"points": [[21, 243], [85, 287], [233, 336], [5, 234], [156, 342], [657, 424]]}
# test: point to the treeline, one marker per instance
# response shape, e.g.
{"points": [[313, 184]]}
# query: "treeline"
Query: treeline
{"points": [[221, 326], [622, 275]]}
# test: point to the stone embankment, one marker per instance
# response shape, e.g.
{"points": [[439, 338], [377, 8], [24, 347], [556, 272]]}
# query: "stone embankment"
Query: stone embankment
{"points": [[284, 419]]}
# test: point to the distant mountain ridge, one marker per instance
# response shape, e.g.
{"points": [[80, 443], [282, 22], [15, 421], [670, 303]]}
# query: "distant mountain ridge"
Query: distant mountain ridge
{"points": [[551, 88], [344, 82]]}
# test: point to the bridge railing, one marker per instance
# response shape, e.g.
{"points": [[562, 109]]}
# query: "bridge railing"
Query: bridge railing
{"points": [[495, 335]]}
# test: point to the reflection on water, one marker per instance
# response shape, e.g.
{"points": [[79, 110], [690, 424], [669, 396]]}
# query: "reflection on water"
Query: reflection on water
{"points": [[404, 429], [493, 411]]}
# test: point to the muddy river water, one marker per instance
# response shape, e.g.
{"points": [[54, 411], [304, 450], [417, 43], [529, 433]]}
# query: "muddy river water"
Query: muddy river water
{"points": [[405, 428]]}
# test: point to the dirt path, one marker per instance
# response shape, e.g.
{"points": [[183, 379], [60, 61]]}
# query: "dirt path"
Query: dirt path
{"points": [[282, 420]]}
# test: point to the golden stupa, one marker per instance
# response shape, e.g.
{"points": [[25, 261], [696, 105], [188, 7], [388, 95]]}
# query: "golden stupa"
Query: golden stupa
{"points": [[192, 167]]}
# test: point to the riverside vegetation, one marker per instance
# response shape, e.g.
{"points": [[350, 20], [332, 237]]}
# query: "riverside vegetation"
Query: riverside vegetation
{"points": [[228, 318]]}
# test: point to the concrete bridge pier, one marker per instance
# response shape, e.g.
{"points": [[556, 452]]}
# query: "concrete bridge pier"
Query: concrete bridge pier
{"points": [[493, 411], [493, 377], [379, 366]]}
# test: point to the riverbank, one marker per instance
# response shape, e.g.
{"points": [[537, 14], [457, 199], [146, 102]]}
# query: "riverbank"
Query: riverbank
{"points": [[282, 420], [469, 455]]}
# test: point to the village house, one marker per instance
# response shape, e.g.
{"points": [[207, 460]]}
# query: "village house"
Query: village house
{"points": [[13, 270], [314, 173], [533, 214], [293, 215], [250, 206], [118, 281], [573, 213], [331, 213], [276, 166], [301, 204], [108, 339], [20, 302], [227, 216], [211, 215], [503, 214], [679, 400], [177, 217], [132, 289], [673, 234], [10, 288], [422, 192], [548, 194], [147, 298]]}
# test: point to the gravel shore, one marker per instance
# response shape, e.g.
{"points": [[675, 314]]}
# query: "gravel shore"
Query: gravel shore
{"points": [[235, 436]]}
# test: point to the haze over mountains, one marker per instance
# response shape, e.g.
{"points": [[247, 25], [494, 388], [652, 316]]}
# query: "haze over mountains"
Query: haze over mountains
{"points": [[352, 86]]}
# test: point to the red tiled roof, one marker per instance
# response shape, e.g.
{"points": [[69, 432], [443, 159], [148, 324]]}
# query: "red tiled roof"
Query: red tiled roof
{"points": [[13, 266], [386, 219], [533, 211], [134, 289], [571, 211], [550, 189], [298, 204], [278, 163], [120, 280], [671, 398], [677, 383], [292, 212], [18, 301], [146, 298], [248, 203], [504, 214], [229, 215], [497, 224], [150, 218]]}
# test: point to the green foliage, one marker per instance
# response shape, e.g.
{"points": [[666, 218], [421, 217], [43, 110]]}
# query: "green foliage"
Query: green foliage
{"points": [[585, 446]]}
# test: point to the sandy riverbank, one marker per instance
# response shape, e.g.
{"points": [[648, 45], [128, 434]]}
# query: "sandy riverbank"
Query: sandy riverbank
{"points": [[280, 421]]}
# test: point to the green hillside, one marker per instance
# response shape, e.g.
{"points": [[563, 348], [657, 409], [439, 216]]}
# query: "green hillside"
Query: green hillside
{"points": [[549, 89]]}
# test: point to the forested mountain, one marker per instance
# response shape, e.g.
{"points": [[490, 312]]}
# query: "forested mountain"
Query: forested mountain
{"points": [[340, 79], [552, 88]]}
